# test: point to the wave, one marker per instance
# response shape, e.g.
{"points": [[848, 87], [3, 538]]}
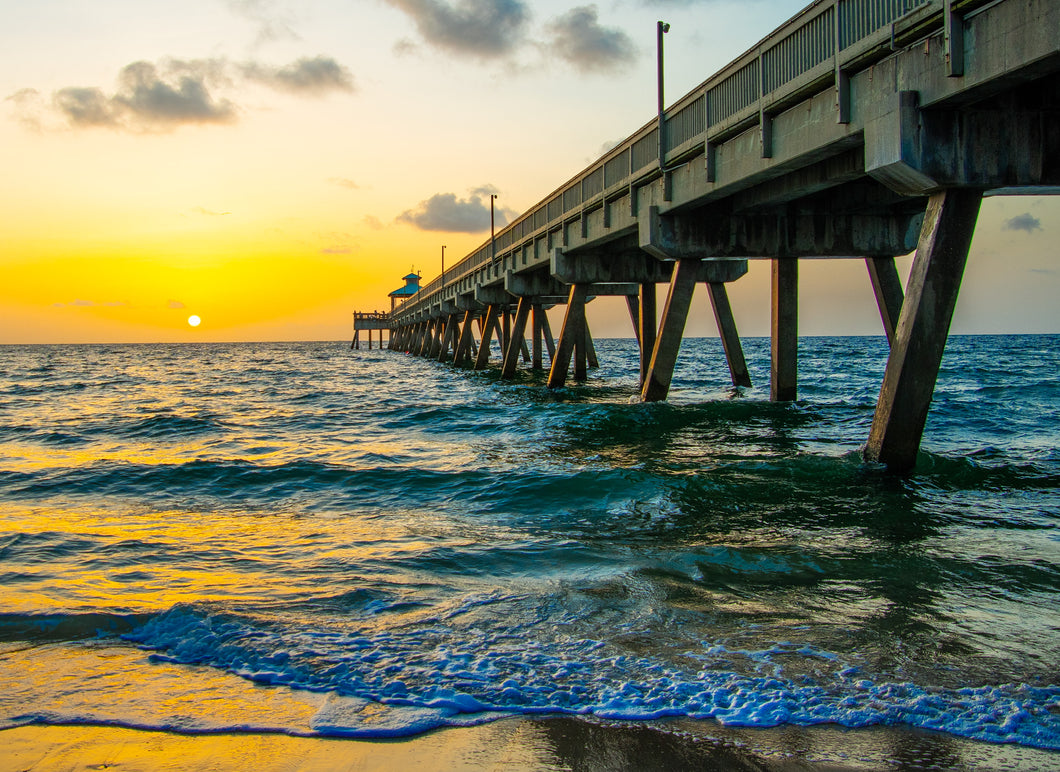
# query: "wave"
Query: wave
{"points": [[427, 679]]}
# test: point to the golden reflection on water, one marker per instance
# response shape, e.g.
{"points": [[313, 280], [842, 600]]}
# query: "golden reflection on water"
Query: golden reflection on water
{"points": [[135, 561]]}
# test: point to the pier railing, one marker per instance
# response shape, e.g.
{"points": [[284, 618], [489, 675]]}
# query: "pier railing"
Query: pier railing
{"points": [[813, 50]]}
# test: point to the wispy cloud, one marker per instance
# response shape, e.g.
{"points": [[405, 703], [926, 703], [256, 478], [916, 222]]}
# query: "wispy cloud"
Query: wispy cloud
{"points": [[274, 21], [159, 97], [445, 212], [208, 212], [344, 182], [1023, 222], [578, 38], [479, 28], [174, 304]]}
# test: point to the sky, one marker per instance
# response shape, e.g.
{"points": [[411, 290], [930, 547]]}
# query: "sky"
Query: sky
{"points": [[271, 166]]}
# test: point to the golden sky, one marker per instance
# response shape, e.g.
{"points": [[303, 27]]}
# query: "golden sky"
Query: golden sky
{"points": [[272, 166]]}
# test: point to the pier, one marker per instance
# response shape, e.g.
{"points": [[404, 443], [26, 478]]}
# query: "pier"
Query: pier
{"points": [[859, 129]]}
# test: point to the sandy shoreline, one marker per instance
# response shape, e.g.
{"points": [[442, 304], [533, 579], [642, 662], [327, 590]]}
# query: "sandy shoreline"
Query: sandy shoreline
{"points": [[560, 743]]}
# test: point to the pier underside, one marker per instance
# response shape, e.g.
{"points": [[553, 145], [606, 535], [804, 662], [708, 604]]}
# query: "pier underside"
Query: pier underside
{"points": [[869, 162]]}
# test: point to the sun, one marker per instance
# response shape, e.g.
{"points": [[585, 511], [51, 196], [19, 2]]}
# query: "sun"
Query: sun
{"points": [[194, 320]]}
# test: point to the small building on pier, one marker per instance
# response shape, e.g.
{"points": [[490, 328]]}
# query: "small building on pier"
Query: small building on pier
{"points": [[412, 286]]}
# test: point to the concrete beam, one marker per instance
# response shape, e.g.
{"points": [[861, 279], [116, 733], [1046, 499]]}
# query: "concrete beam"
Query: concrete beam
{"points": [[627, 267], [821, 228], [493, 295]]}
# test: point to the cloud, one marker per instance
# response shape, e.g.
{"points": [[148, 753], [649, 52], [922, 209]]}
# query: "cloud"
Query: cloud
{"points": [[308, 76], [338, 250], [445, 212], [151, 98], [344, 182], [174, 304], [1023, 222], [481, 28], [373, 222], [208, 212], [273, 24], [578, 38], [82, 303], [159, 97]]}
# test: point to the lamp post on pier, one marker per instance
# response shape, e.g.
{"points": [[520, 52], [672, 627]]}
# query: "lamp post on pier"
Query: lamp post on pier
{"points": [[443, 265], [493, 237], [661, 28]]}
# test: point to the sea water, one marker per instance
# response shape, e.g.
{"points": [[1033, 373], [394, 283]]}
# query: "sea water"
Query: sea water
{"points": [[297, 537]]}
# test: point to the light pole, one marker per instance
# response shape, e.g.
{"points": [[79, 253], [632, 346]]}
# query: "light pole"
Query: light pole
{"points": [[493, 237], [443, 265], [661, 28]]}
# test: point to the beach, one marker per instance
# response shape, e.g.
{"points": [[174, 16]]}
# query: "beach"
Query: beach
{"points": [[559, 743]]}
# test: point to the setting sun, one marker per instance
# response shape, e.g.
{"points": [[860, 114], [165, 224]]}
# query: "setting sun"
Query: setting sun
{"points": [[194, 320]]}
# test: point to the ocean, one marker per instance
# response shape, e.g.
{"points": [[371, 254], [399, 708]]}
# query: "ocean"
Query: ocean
{"points": [[301, 538]]}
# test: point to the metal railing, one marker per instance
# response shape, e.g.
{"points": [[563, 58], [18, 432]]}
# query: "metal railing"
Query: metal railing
{"points": [[799, 57]]}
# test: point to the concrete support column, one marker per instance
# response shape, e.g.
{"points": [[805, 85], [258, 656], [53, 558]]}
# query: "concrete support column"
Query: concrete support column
{"points": [[923, 326], [730, 338], [888, 290], [515, 338], [675, 312], [573, 323], [648, 328], [356, 344], [536, 359], [784, 367], [580, 353], [489, 321]]}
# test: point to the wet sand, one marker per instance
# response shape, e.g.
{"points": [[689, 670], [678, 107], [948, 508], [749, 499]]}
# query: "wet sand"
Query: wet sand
{"points": [[560, 743]]}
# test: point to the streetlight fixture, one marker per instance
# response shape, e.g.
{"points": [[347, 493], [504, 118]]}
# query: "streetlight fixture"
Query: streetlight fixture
{"points": [[443, 265]]}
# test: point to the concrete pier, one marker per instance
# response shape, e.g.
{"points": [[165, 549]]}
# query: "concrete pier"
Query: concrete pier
{"points": [[856, 130]]}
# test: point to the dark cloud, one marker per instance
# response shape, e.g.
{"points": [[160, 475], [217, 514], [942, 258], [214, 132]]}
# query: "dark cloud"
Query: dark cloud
{"points": [[1023, 222], [445, 212], [312, 77], [482, 28], [153, 97], [578, 38]]}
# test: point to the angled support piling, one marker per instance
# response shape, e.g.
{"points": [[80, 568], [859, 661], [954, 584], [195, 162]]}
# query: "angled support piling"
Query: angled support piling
{"points": [[887, 288], [516, 341], [784, 334], [923, 326], [462, 354], [730, 338], [675, 312], [573, 325], [452, 329], [489, 321]]}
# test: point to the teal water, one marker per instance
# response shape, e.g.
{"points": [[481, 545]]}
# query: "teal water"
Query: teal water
{"points": [[307, 539]]}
